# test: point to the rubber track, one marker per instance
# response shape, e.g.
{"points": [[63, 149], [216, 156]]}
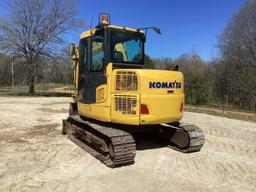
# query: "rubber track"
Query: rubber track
{"points": [[124, 146], [196, 139], [195, 136]]}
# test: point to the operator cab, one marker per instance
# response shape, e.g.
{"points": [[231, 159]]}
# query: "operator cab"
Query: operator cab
{"points": [[98, 47], [121, 46]]}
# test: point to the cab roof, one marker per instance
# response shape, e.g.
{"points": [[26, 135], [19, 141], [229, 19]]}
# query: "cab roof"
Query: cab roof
{"points": [[92, 31]]}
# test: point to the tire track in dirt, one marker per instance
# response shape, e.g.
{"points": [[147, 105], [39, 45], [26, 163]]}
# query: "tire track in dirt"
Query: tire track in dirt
{"points": [[191, 166], [238, 149], [237, 172], [243, 134]]}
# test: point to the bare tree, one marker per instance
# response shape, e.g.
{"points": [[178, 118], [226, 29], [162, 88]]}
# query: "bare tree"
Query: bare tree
{"points": [[36, 28], [238, 48]]}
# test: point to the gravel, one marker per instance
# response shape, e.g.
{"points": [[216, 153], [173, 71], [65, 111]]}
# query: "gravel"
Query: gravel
{"points": [[34, 156]]}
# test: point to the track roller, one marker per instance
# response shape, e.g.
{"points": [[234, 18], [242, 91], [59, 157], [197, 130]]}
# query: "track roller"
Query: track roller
{"points": [[113, 147]]}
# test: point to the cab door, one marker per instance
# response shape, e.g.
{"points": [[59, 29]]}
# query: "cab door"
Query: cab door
{"points": [[82, 70], [95, 71]]}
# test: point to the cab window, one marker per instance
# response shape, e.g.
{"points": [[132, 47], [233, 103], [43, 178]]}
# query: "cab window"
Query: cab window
{"points": [[126, 47], [97, 61]]}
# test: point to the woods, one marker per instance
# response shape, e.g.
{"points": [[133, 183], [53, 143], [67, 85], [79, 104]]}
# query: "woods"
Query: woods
{"points": [[33, 44], [238, 48], [230, 78], [33, 32]]}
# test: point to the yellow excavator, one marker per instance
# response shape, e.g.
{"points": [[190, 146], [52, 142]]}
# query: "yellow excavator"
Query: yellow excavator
{"points": [[115, 97]]}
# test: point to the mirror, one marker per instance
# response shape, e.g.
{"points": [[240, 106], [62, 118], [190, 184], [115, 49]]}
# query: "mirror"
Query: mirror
{"points": [[157, 30], [72, 49]]}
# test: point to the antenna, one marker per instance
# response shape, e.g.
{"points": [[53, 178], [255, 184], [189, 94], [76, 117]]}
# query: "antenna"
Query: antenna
{"points": [[91, 23]]}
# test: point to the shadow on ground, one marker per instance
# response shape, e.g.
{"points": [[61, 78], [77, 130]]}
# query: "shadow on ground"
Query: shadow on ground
{"points": [[146, 141]]}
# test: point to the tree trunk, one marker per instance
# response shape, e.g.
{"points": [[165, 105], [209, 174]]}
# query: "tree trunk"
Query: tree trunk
{"points": [[31, 89], [31, 84], [12, 74], [31, 77]]}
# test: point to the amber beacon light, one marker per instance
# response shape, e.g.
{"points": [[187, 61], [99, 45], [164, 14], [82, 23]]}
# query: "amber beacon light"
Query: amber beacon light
{"points": [[104, 18]]}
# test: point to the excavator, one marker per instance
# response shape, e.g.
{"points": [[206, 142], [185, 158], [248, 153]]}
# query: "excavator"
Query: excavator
{"points": [[116, 97]]}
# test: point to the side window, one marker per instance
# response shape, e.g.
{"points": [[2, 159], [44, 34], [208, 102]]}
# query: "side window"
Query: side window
{"points": [[97, 54], [82, 69], [83, 56]]}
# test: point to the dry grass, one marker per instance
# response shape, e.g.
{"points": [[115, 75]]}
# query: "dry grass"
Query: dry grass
{"points": [[233, 114]]}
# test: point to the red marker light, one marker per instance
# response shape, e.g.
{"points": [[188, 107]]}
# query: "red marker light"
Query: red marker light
{"points": [[144, 109]]}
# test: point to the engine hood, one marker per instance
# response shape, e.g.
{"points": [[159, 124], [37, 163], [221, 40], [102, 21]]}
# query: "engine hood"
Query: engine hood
{"points": [[160, 81]]}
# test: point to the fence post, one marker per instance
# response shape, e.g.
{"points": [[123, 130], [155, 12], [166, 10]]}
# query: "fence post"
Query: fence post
{"points": [[255, 109], [223, 105], [226, 101]]}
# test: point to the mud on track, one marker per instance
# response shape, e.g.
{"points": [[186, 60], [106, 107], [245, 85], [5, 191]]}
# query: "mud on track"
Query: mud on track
{"points": [[34, 156]]}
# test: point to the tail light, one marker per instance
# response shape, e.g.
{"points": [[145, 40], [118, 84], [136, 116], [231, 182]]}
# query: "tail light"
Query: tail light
{"points": [[144, 109]]}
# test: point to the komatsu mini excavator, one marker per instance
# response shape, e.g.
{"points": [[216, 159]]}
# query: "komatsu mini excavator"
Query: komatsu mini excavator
{"points": [[115, 97]]}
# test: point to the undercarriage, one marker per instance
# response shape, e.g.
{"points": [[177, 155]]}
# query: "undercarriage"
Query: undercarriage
{"points": [[116, 147]]}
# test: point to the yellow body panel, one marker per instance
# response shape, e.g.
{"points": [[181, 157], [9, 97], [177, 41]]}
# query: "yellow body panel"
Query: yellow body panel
{"points": [[95, 111], [163, 106], [148, 75]]}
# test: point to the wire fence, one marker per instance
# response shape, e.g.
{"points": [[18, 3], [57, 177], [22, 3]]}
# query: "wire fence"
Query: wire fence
{"points": [[40, 90], [221, 106]]}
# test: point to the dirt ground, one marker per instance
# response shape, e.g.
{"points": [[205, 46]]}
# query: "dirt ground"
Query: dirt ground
{"points": [[34, 156]]}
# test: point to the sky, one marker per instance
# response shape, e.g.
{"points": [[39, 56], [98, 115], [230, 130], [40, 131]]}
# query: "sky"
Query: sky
{"points": [[186, 25]]}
